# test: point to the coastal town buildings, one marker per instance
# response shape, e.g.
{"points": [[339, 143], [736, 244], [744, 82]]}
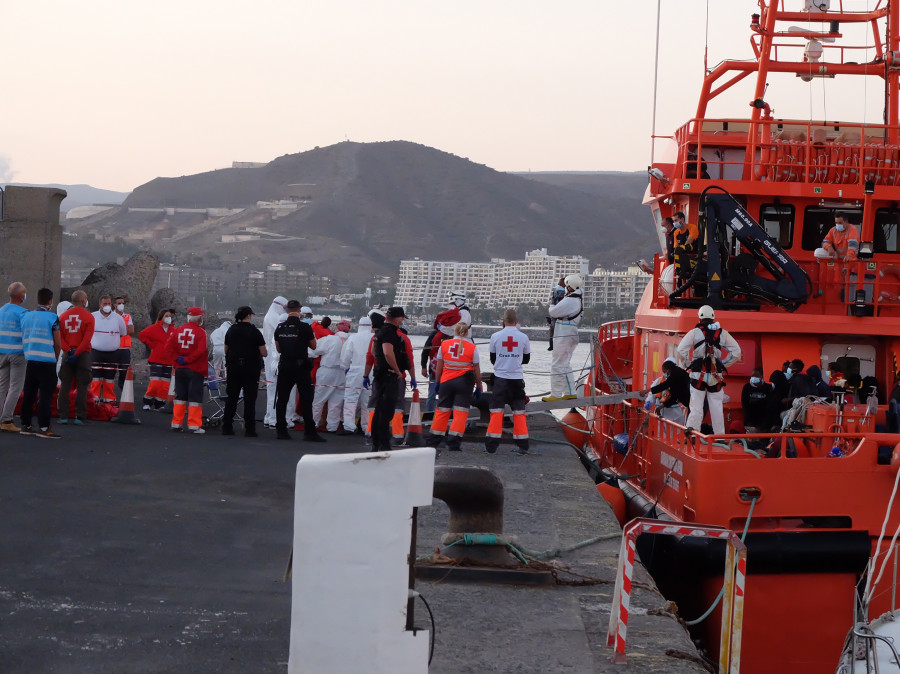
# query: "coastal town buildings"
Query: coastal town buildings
{"points": [[501, 282]]}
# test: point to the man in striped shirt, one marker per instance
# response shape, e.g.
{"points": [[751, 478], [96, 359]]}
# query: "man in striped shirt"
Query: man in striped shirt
{"points": [[12, 357]]}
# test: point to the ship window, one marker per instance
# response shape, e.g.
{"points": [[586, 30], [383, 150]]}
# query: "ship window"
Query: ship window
{"points": [[887, 230], [778, 221], [818, 220]]}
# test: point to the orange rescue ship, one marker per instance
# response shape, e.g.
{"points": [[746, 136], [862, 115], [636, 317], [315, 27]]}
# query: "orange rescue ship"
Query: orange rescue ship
{"points": [[764, 192]]}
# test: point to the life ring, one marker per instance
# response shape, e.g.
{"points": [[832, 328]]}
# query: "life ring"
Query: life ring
{"points": [[835, 163], [851, 165], [764, 167]]}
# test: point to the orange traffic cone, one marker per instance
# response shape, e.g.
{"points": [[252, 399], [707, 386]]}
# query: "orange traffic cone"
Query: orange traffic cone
{"points": [[125, 415], [170, 397], [414, 435]]}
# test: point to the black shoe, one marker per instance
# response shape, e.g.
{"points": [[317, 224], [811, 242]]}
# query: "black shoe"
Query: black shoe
{"points": [[227, 430], [313, 437], [282, 435], [519, 451], [250, 433], [27, 430], [490, 449], [344, 431]]}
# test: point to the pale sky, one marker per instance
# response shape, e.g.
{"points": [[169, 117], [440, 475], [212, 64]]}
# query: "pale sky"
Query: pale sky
{"points": [[114, 93]]}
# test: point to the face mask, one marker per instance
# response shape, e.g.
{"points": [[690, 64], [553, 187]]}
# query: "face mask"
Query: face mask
{"points": [[308, 321], [666, 375], [106, 308], [24, 297], [120, 307], [167, 320], [788, 373], [561, 289], [756, 381], [826, 375]]}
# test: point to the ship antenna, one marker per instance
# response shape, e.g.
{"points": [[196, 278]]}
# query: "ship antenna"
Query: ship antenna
{"points": [[655, 80], [706, 41]]}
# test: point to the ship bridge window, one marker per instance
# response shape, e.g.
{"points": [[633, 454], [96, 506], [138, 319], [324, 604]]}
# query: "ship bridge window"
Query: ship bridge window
{"points": [[818, 220], [887, 230], [778, 221]]}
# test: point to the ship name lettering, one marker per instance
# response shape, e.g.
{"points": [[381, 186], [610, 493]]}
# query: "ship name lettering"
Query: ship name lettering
{"points": [[670, 462]]}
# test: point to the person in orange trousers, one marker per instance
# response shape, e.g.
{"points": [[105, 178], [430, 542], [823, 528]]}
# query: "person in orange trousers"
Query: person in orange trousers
{"points": [[457, 372], [510, 349], [187, 347]]}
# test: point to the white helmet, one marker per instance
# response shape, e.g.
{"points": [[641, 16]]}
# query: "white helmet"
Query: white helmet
{"points": [[574, 281], [456, 299], [706, 311]]}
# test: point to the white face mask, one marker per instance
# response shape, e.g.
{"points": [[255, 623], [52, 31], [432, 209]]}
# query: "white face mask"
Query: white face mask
{"points": [[120, 307], [106, 308], [167, 320], [24, 297], [839, 228]]}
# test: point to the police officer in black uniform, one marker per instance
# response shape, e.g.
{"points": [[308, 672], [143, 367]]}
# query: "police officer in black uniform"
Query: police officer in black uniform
{"points": [[390, 362], [245, 347], [293, 338]]}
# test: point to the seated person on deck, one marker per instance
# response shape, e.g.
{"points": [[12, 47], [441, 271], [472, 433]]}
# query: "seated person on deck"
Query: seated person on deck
{"points": [[756, 403]]}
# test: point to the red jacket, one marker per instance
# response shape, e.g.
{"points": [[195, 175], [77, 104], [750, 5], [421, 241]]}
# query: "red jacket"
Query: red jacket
{"points": [[155, 337], [76, 327], [189, 341]]}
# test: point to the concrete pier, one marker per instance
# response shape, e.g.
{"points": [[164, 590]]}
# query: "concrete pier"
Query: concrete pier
{"points": [[132, 548]]}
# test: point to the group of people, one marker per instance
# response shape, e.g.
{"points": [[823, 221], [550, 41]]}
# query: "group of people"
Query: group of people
{"points": [[360, 377], [42, 348], [692, 383]]}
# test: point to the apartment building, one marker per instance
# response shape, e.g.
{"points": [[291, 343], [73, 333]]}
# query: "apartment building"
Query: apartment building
{"points": [[615, 288], [498, 283], [278, 279]]}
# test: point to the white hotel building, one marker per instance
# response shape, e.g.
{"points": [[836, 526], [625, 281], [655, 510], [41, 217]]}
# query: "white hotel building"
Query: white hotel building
{"points": [[498, 283]]}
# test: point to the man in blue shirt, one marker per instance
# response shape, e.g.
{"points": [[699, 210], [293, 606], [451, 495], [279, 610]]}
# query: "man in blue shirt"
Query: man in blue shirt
{"points": [[41, 344], [12, 357]]}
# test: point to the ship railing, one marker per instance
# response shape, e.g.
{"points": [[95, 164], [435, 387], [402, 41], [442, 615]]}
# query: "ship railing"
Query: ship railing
{"points": [[788, 151], [861, 288], [616, 330]]}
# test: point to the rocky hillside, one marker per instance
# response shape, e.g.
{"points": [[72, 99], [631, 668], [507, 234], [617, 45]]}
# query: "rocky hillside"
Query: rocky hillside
{"points": [[352, 210]]}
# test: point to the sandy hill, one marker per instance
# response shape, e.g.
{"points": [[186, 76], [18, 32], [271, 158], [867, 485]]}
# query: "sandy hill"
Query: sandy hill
{"points": [[352, 210]]}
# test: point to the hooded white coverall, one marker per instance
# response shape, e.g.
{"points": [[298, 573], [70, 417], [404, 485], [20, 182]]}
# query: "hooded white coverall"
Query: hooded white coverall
{"points": [[275, 315], [688, 350], [329, 381], [353, 359], [568, 313], [217, 338]]}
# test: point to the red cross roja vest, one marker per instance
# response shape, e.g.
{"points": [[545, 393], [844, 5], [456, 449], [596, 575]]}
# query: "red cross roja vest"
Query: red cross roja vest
{"points": [[458, 356]]}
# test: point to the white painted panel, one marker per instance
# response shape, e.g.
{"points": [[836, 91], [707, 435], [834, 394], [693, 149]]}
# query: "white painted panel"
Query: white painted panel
{"points": [[352, 516]]}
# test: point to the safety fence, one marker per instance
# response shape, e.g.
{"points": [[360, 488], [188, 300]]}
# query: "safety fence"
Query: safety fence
{"points": [[732, 603]]}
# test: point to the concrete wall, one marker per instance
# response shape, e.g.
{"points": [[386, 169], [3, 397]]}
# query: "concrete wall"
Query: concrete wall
{"points": [[31, 240]]}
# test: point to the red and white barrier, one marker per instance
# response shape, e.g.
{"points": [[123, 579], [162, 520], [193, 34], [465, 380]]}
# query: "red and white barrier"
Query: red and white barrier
{"points": [[732, 601]]}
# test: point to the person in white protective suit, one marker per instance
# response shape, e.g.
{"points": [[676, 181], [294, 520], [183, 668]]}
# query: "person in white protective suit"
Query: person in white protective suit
{"points": [[275, 315], [457, 300], [353, 360], [568, 313], [330, 380], [217, 339]]}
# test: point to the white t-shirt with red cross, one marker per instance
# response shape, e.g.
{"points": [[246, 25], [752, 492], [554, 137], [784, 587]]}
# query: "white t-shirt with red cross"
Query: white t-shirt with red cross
{"points": [[509, 345]]}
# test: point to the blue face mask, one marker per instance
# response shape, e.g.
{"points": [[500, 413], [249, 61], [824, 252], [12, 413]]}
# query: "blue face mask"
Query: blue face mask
{"points": [[839, 228], [756, 381], [308, 321], [561, 289], [788, 373], [666, 375]]}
